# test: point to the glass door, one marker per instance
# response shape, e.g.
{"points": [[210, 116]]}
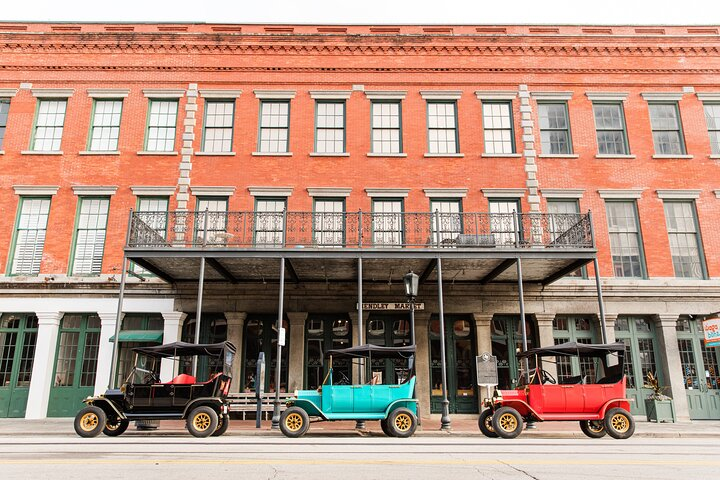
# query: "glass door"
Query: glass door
{"points": [[261, 335], [388, 331], [638, 334], [700, 371], [18, 334], [506, 343]]}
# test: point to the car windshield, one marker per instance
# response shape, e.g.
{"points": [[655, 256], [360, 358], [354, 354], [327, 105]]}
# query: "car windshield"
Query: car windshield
{"points": [[144, 371]]}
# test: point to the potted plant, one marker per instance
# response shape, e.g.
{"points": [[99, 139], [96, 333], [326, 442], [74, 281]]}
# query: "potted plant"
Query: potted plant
{"points": [[659, 407]]}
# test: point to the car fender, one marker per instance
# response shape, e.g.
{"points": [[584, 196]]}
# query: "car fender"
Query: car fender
{"points": [[623, 403], [396, 404], [105, 404], [308, 405], [213, 402], [522, 407]]}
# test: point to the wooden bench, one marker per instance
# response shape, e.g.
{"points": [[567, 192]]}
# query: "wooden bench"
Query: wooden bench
{"points": [[247, 402]]}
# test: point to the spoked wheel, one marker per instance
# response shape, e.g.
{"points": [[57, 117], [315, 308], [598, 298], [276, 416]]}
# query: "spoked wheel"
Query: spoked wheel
{"points": [[507, 422], [485, 423], [223, 424], [386, 430], [593, 428], [90, 421], [202, 422], [402, 423], [619, 423], [294, 422], [115, 427]]}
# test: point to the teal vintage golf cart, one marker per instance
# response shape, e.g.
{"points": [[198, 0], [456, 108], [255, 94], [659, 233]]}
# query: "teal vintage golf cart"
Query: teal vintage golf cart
{"points": [[394, 405]]}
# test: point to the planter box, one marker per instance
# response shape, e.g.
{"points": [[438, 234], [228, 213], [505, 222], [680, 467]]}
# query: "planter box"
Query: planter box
{"points": [[660, 410]]}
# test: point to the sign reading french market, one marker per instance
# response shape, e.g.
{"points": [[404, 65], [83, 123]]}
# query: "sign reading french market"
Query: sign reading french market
{"points": [[711, 328], [391, 306]]}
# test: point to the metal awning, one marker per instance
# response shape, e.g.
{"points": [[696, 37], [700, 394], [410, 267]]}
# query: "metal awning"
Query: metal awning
{"points": [[139, 336]]}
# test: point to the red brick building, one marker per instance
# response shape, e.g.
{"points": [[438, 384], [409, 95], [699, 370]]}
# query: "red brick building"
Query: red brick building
{"points": [[285, 133]]}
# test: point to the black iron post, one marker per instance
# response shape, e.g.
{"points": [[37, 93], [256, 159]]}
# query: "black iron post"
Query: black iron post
{"points": [[601, 304], [445, 419], [118, 320], [201, 286], [278, 362], [360, 424]]}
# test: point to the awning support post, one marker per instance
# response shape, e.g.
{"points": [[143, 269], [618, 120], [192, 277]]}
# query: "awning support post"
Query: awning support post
{"points": [[601, 304], [118, 320], [360, 424], [521, 301], [445, 419], [278, 362], [198, 312]]}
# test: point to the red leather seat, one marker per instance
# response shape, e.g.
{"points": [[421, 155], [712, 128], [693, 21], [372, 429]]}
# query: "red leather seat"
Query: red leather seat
{"points": [[183, 379]]}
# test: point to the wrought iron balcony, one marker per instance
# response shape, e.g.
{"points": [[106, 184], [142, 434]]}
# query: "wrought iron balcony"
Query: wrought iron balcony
{"points": [[425, 230]]}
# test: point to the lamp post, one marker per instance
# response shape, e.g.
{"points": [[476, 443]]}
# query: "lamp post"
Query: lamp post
{"points": [[412, 282]]}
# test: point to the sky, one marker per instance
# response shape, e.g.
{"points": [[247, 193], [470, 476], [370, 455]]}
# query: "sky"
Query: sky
{"points": [[617, 12]]}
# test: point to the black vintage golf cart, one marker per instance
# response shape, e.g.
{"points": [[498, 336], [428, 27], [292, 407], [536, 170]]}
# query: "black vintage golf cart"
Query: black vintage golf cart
{"points": [[203, 404]]}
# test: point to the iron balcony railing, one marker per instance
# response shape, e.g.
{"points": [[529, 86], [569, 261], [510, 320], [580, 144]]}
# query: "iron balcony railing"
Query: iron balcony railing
{"points": [[262, 230]]}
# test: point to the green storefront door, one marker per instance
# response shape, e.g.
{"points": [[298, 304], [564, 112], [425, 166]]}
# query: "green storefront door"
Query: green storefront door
{"points": [[18, 334], [638, 334], [506, 341], [75, 363], [574, 328], [261, 336], [460, 357], [700, 371], [388, 331]]}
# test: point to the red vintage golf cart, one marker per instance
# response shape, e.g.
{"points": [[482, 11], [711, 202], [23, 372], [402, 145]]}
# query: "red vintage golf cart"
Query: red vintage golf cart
{"points": [[600, 405]]}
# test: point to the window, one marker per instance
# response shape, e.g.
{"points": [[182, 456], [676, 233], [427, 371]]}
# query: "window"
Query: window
{"points": [[216, 222], [449, 218], [498, 127], [30, 236], [625, 240], [554, 129], [49, 122], [712, 115], [330, 127], [502, 221], [387, 222], [155, 216], [442, 128], [666, 129], [90, 236], [564, 214], [105, 129], [4, 108], [274, 127], [162, 121], [386, 127], [329, 222], [325, 332], [610, 129], [270, 222], [218, 132], [684, 239], [573, 328]]}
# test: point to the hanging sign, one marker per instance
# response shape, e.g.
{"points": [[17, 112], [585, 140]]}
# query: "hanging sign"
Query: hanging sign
{"points": [[487, 372], [281, 337], [711, 329], [391, 306]]}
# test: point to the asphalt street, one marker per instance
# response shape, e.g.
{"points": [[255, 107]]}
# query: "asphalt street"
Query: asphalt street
{"points": [[352, 457]]}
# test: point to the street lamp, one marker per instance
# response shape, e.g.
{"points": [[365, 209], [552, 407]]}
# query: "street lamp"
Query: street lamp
{"points": [[412, 281]]}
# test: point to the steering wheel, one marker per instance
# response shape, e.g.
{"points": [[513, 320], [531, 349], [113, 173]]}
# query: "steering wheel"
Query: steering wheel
{"points": [[344, 380], [151, 377], [547, 377]]}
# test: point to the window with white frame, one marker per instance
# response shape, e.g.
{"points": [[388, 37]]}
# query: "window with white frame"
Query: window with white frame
{"points": [[502, 221], [270, 222], [105, 127], [563, 215], [4, 108], [666, 128], [274, 126], [330, 127], [90, 235], [387, 222], [386, 127], [625, 240], [498, 127], [684, 239], [161, 127], [218, 131], [442, 127], [214, 231], [610, 129], [329, 222], [49, 122], [554, 128], [155, 216], [30, 233], [712, 115], [446, 219]]}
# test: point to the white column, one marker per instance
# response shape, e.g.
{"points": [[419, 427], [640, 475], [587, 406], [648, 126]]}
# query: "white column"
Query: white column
{"points": [[669, 357], [355, 325], [172, 329], [483, 337], [105, 349], [545, 331], [422, 361], [43, 364], [296, 344], [235, 323]]}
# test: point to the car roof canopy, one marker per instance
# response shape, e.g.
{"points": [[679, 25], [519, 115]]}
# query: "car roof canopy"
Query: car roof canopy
{"points": [[184, 349], [575, 349], [375, 351]]}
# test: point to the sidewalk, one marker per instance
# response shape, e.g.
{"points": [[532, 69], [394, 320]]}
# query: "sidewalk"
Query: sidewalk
{"points": [[462, 425]]}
